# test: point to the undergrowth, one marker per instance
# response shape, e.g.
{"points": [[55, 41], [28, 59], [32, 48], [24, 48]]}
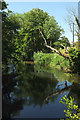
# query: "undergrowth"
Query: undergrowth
{"points": [[51, 59]]}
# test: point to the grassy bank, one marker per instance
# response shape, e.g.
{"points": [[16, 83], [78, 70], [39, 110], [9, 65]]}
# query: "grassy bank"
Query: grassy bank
{"points": [[52, 60]]}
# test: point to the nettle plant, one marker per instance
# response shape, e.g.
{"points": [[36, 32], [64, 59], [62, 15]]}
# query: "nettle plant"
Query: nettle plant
{"points": [[73, 111]]}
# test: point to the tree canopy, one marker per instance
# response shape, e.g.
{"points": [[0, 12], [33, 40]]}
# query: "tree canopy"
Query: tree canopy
{"points": [[22, 36], [29, 39], [9, 32]]}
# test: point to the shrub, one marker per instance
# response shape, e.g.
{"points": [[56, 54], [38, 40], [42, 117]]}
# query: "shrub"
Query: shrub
{"points": [[51, 59], [74, 60], [42, 58], [73, 111]]}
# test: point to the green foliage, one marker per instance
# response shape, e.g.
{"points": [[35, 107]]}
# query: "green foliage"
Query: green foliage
{"points": [[74, 60], [42, 58], [10, 27], [78, 23], [3, 5], [21, 36], [31, 22], [29, 39], [64, 40], [51, 59], [72, 112], [77, 44], [62, 43], [52, 30]]}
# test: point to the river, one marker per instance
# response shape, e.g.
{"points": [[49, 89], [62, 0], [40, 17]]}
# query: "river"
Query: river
{"points": [[26, 87]]}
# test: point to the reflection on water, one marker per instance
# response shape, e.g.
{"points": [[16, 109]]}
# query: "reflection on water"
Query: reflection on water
{"points": [[26, 86]]}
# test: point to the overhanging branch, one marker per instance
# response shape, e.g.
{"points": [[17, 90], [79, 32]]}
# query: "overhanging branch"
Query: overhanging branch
{"points": [[53, 49]]}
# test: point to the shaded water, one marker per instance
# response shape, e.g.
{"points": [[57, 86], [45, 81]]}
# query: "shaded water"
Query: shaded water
{"points": [[26, 86]]}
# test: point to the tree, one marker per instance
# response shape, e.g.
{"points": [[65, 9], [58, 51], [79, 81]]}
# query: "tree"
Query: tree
{"points": [[78, 23], [29, 39], [9, 32], [65, 42], [70, 20], [52, 31], [62, 43], [53, 49], [73, 23]]}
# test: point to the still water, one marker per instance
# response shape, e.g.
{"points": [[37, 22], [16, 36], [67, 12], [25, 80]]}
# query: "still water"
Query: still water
{"points": [[25, 88]]}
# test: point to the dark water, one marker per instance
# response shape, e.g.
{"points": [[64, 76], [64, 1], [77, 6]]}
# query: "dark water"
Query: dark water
{"points": [[25, 88]]}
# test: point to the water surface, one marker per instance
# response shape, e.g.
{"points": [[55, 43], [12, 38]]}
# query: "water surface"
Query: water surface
{"points": [[26, 86]]}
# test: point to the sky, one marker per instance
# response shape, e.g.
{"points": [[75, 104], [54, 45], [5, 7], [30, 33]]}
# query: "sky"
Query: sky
{"points": [[56, 9]]}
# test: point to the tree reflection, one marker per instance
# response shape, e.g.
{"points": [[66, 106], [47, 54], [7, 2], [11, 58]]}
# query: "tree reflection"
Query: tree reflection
{"points": [[75, 92], [34, 86], [29, 85], [24, 87], [10, 104]]}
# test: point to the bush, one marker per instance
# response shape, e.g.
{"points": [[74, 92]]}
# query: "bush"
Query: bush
{"points": [[51, 59], [74, 60], [73, 111], [42, 58]]}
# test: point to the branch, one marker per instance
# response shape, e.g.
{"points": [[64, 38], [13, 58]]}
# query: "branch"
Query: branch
{"points": [[43, 36], [58, 92], [53, 49], [77, 22], [62, 46]]}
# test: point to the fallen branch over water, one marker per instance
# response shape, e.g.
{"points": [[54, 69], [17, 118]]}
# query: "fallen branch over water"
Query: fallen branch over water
{"points": [[58, 92]]}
